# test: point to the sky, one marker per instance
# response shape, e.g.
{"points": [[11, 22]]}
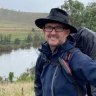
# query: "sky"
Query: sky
{"points": [[34, 5]]}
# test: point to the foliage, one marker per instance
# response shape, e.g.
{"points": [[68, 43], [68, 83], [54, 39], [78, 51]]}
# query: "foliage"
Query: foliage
{"points": [[17, 41], [38, 38], [5, 39], [33, 30], [75, 10], [32, 72], [1, 78], [23, 77], [11, 75], [89, 16], [29, 38], [5, 48], [81, 15], [28, 75], [21, 40]]}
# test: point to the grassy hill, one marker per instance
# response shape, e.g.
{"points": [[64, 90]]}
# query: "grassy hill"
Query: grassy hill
{"points": [[15, 19]]}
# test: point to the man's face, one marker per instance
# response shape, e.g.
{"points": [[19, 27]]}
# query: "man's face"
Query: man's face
{"points": [[55, 34]]}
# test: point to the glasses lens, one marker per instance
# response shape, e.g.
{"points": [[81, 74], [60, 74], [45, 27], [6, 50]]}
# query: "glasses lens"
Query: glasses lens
{"points": [[59, 28], [48, 28]]}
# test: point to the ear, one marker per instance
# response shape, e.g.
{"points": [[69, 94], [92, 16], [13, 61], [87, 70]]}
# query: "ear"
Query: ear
{"points": [[67, 32]]}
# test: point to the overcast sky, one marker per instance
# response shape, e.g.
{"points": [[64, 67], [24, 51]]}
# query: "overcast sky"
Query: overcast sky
{"points": [[34, 5]]}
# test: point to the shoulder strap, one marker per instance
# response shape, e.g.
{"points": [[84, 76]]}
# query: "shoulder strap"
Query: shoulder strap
{"points": [[88, 86], [64, 63], [67, 69]]}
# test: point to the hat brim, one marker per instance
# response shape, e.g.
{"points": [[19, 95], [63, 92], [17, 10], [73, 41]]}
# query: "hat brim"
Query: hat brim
{"points": [[42, 21]]}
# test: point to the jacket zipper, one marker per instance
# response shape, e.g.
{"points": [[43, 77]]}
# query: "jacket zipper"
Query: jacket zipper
{"points": [[52, 91]]}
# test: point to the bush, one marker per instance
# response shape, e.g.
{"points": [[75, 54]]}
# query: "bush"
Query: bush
{"points": [[17, 41]]}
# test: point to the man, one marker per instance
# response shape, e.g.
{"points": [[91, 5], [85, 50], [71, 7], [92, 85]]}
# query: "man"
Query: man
{"points": [[50, 77]]}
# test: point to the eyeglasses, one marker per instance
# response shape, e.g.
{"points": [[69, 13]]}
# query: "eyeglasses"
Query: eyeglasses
{"points": [[57, 28]]}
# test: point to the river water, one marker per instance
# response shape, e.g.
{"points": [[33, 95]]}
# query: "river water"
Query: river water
{"points": [[17, 61]]}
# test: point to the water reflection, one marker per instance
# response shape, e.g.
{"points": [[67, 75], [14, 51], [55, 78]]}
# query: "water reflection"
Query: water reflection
{"points": [[17, 61]]}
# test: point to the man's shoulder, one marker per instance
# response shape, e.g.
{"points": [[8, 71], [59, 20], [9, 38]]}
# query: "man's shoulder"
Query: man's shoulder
{"points": [[78, 55]]}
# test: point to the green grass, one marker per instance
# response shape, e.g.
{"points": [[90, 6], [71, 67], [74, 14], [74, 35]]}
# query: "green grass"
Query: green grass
{"points": [[16, 33]]}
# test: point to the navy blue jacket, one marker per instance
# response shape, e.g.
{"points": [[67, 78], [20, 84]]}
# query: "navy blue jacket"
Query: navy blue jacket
{"points": [[50, 78]]}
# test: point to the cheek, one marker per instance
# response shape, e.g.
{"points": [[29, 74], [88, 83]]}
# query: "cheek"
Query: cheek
{"points": [[46, 34], [65, 34], [62, 35]]}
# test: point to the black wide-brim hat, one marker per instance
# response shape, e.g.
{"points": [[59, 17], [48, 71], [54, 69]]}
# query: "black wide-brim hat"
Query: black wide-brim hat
{"points": [[56, 15]]}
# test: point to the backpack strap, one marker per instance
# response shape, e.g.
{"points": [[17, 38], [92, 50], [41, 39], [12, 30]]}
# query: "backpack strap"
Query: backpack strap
{"points": [[67, 69], [68, 55]]}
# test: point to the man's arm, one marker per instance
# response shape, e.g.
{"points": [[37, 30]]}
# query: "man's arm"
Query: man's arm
{"points": [[38, 71]]}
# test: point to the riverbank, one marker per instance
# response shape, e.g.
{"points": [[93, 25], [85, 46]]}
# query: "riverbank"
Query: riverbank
{"points": [[19, 39]]}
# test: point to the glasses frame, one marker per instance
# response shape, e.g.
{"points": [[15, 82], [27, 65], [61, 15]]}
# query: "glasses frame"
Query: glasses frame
{"points": [[56, 28]]}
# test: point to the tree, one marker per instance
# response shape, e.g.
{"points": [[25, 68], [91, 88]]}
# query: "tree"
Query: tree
{"points": [[1, 38], [24, 77], [11, 75], [29, 38], [80, 15], [75, 10], [89, 16], [33, 30], [17, 41], [32, 72], [37, 39]]}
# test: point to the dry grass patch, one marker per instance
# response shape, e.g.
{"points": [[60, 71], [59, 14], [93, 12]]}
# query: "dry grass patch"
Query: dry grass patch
{"points": [[17, 89]]}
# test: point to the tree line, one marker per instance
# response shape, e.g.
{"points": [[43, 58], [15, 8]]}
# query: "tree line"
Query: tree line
{"points": [[81, 15]]}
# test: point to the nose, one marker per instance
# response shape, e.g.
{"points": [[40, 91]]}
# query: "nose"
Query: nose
{"points": [[53, 31]]}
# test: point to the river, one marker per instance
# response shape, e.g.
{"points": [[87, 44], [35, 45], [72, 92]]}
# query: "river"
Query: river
{"points": [[17, 61]]}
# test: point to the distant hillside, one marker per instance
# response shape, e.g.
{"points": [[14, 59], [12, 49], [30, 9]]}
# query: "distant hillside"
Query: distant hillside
{"points": [[9, 18]]}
